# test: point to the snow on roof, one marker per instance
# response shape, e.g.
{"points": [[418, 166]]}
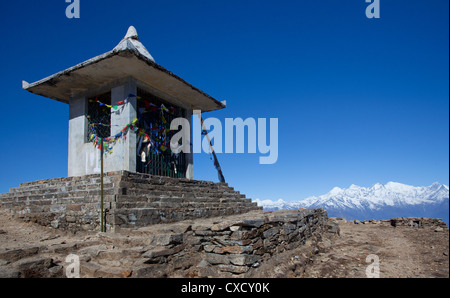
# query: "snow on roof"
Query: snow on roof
{"points": [[131, 42], [129, 58]]}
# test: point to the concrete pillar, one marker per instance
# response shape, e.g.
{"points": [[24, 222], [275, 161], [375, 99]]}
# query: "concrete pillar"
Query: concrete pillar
{"points": [[190, 156], [77, 122], [124, 151]]}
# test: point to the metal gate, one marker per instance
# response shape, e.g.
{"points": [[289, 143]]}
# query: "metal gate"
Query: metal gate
{"points": [[155, 157]]}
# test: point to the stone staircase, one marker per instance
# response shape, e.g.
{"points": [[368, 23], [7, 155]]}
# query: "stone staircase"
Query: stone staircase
{"points": [[130, 200], [144, 200]]}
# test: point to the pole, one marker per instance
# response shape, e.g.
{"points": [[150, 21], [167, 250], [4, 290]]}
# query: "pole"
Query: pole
{"points": [[101, 188], [216, 161]]}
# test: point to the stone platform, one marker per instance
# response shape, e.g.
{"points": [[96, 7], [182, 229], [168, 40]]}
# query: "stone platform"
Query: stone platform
{"points": [[130, 200]]}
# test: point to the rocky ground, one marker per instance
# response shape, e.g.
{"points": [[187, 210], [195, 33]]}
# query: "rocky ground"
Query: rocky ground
{"points": [[402, 251]]}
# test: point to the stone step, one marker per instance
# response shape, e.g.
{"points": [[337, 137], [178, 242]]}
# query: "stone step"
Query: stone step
{"points": [[135, 215], [95, 178], [57, 190], [69, 184], [179, 194], [161, 180], [162, 189], [127, 199], [94, 189], [67, 201], [109, 177], [158, 196], [156, 187], [204, 199], [60, 188], [158, 205]]}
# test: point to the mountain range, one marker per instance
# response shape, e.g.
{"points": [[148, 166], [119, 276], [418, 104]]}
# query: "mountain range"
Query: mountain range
{"points": [[380, 201]]}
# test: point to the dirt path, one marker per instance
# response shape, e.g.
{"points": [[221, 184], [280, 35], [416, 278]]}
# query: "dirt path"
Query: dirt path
{"points": [[15, 233], [401, 252]]}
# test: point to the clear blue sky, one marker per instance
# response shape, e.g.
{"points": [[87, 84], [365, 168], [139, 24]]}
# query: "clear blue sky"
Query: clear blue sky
{"points": [[359, 100]]}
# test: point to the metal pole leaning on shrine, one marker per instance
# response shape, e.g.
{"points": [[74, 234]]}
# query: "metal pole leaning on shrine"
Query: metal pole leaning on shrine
{"points": [[216, 161], [102, 229]]}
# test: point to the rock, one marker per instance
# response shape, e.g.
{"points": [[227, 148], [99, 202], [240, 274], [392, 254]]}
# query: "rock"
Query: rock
{"points": [[256, 223], [209, 247], [235, 228], [271, 232], [327, 243], [371, 248], [164, 239], [203, 263], [158, 252], [243, 235], [257, 244], [88, 269], [9, 273], [244, 259], [92, 251], [214, 259], [56, 271], [63, 248], [126, 273], [204, 233], [3, 262], [332, 227], [154, 271], [439, 229], [233, 269], [55, 223], [237, 249], [200, 227], [14, 255], [105, 272], [221, 226], [50, 238], [34, 267], [185, 261]]}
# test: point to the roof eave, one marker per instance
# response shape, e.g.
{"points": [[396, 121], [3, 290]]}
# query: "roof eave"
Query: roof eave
{"points": [[123, 47]]}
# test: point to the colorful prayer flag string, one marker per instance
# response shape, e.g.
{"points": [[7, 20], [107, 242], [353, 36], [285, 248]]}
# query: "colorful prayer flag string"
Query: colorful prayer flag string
{"points": [[148, 105], [110, 141], [116, 106]]}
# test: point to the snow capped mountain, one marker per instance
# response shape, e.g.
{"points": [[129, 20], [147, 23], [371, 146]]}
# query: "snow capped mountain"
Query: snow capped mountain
{"points": [[377, 202], [277, 205]]}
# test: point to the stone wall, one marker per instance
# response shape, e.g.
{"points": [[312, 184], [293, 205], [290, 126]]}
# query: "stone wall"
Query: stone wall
{"points": [[228, 246], [237, 245], [130, 200], [255, 244], [71, 203], [417, 222]]}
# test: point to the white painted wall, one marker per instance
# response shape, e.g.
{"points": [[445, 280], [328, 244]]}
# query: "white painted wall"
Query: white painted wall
{"points": [[84, 158]]}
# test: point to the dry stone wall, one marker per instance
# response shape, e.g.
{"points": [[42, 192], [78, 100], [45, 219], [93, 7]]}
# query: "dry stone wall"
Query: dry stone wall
{"points": [[238, 245], [417, 222], [228, 246]]}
